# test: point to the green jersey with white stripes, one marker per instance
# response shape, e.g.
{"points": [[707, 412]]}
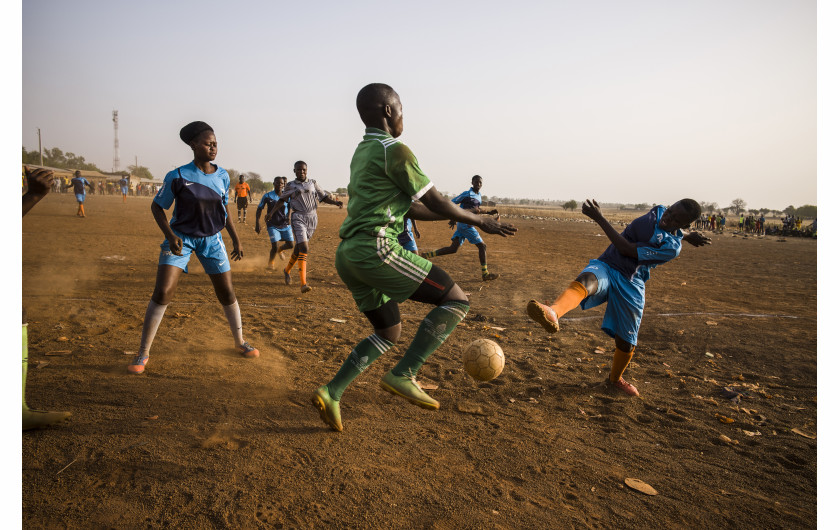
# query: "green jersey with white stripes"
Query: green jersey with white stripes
{"points": [[384, 178]]}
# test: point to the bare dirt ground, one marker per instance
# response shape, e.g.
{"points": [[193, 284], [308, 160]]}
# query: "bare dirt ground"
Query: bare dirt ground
{"points": [[207, 439]]}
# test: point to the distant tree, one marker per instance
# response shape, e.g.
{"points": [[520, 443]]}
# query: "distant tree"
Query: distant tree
{"points": [[140, 171], [641, 206], [808, 210], [711, 207], [234, 174], [570, 205], [341, 191], [55, 157], [790, 210], [738, 205], [764, 211]]}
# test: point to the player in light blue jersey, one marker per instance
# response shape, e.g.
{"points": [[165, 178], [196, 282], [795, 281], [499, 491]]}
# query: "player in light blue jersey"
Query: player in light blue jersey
{"points": [[277, 226], [618, 277], [469, 200], [79, 182], [407, 238], [199, 192]]}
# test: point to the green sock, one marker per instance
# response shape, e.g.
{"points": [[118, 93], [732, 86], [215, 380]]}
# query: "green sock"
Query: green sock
{"points": [[360, 358], [431, 254], [484, 269], [25, 364], [434, 329]]}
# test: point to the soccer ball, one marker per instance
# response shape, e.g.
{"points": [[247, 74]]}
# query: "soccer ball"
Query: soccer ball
{"points": [[484, 360]]}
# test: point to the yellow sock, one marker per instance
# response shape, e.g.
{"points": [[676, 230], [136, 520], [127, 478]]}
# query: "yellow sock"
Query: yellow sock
{"points": [[570, 298], [621, 359], [302, 267]]}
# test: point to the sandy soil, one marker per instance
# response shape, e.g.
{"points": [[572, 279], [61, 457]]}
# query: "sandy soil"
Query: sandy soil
{"points": [[207, 439]]}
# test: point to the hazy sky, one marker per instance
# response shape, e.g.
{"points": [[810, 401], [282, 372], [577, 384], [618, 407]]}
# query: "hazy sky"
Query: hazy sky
{"points": [[623, 101]]}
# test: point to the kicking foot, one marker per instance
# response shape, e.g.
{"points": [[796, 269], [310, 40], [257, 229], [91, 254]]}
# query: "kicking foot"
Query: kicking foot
{"points": [[543, 315], [625, 387], [287, 277], [489, 276], [138, 365], [407, 387], [35, 419], [328, 408], [247, 351], [305, 288]]}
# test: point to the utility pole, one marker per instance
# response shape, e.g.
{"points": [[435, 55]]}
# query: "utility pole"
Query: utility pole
{"points": [[116, 144], [40, 150], [135, 162]]}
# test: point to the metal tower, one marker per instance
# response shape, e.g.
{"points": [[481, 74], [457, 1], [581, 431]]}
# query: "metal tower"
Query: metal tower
{"points": [[116, 144]]}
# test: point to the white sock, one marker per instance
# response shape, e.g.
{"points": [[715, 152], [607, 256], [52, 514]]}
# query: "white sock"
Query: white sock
{"points": [[154, 314], [235, 321]]}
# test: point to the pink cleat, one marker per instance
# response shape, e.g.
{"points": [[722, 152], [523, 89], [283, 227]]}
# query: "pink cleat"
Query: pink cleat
{"points": [[248, 351], [138, 365], [626, 387], [544, 316]]}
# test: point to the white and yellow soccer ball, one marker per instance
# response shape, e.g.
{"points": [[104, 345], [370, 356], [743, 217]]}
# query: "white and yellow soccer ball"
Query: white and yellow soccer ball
{"points": [[484, 360]]}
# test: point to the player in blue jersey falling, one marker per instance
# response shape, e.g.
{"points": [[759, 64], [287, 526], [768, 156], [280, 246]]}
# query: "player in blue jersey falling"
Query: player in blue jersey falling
{"points": [[199, 191], [618, 276], [277, 226], [469, 200]]}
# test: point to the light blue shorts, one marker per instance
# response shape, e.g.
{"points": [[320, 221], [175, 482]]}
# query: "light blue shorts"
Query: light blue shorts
{"points": [[411, 245], [80, 197], [210, 250], [625, 301], [124, 191], [468, 232], [280, 234]]}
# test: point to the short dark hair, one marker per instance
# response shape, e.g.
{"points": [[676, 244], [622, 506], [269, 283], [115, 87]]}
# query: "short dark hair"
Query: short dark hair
{"points": [[301, 162], [691, 207], [477, 177]]}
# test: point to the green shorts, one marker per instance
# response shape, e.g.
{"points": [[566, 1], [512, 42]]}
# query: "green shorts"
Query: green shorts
{"points": [[378, 269]]}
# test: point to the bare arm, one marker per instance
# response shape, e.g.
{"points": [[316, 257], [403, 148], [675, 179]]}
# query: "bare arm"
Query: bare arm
{"points": [[329, 200], [438, 208], [38, 183], [236, 254], [175, 243], [624, 247]]}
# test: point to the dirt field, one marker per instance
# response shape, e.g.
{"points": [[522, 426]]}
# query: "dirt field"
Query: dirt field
{"points": [[207, 439]]}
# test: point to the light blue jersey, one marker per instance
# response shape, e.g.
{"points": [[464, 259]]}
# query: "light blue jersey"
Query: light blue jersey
{"points": [[467, 200]]}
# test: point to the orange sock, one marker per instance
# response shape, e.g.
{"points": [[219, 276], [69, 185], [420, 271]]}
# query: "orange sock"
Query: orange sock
{"points": [[302, 267], [570, 298], [621, 359], [82, 209], [291, 263]]}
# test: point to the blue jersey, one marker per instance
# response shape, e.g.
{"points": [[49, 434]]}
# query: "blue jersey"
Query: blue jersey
{"points": [[199, 198], [468, 200], [281, 216], [123, 183], [79, 184], [654, 246]]}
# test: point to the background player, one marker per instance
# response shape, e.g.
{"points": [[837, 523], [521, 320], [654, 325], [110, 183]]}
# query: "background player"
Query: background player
{"points": [[618, 276], [384, 180], [407, 237], [304, 195], [79, 182], [38, 183], [277, 226], [469, 200], [124, 187], [199, 192], [242, 192]]}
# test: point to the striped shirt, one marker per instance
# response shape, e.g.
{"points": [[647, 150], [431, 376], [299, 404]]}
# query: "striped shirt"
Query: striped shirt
{"points": [[307, 200], [384, 178]]}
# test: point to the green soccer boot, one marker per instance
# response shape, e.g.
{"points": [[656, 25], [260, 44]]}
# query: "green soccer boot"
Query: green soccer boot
{"points": [[407, 387], [328, 408]]}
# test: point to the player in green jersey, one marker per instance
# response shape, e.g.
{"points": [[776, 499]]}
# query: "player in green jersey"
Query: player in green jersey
{"points": [[386, 185]]}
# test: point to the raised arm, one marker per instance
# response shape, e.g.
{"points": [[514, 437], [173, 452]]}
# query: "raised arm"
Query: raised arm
{"points": [[38, 184], [592, 210]]}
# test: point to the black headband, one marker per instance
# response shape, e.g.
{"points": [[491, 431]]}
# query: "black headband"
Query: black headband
{"points": [[190, 131]]}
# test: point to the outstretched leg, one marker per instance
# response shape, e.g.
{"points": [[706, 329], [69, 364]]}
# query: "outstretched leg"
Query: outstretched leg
{"points": [[33, 419], [451, 249], [165, 286], [547, 315]]}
